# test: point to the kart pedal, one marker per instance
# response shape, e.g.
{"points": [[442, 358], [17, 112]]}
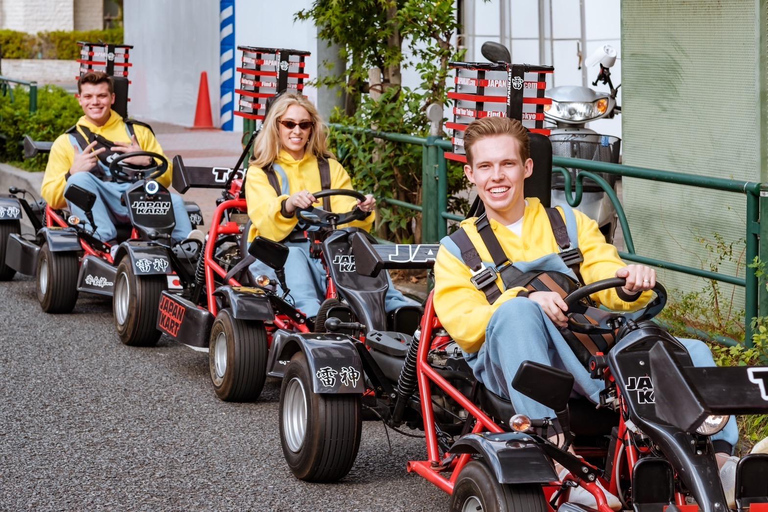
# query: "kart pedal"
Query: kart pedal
{"points": [[751, 483], [653, 482]]}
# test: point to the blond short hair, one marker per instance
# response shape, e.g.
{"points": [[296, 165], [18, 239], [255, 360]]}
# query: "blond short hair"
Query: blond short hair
{"points": [[493, 126]]}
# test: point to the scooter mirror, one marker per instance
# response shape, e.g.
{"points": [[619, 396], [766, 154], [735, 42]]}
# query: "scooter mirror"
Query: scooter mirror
{"points": [[272, 253], [605, 55], [496, 52], [80, 197]]}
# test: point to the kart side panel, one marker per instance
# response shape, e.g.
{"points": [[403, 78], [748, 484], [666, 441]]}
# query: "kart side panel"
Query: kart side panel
{"points": [[515, 458], [21, 255], [61, 239], [280, 353], [96, 276], [183, 321], [147, 259], [335, 365], [246, 303], [10, 209]]}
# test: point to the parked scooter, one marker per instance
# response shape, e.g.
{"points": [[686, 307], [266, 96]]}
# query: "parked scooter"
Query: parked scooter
{"points": [[571, 109]]}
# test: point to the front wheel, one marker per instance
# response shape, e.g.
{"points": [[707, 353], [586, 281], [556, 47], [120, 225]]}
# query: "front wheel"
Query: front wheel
{"points": [[478, 490], [134, 303], [7, 228], [57, 280], [320, 434], [237, 356]]}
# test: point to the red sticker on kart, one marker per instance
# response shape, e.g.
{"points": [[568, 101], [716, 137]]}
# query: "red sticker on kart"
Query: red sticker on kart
{"points": [[171, 316]]}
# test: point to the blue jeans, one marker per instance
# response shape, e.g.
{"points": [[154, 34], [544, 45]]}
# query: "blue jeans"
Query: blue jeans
{"points": [[307, 280], [107, 209], [535, 338]]}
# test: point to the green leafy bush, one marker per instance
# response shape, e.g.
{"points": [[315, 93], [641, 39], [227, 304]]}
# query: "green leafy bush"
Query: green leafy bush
{"points": [[60, 44], [17, 45], [57, 110]]}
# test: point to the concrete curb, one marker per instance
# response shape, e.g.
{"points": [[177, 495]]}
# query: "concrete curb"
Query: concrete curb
{"points": [[11, 176]]}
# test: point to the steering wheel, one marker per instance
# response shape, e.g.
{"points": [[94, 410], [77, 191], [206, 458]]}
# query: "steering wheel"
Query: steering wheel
{"points": [[319, 217], [608, 321], [125, 172]]}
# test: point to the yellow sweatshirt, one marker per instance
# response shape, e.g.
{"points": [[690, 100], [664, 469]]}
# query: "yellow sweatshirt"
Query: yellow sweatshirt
{"points": [[464, 310], [63, 155], [264, 205]]}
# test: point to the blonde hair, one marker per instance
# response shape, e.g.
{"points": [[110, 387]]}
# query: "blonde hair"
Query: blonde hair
{"points": [[492, 126], [267, 145]]}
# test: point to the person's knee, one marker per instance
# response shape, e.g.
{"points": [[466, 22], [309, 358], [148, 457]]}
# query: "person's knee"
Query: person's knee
{"points": [[512, 316], [700, 353]]}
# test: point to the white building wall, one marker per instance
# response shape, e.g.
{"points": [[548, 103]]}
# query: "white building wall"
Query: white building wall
{"points": [[34, 16], [88, 14], [174, 42]]}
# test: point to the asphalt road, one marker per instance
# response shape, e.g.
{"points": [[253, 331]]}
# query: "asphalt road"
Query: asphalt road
{"points": [[89, 424]]}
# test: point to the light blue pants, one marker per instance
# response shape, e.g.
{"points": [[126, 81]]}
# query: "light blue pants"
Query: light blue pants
{"points": [[107, 209], [307, 280], [537, 339]]}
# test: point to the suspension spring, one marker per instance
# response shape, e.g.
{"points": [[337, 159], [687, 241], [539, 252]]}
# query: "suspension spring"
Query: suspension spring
{"points": [[197, 285], [406, 382]]}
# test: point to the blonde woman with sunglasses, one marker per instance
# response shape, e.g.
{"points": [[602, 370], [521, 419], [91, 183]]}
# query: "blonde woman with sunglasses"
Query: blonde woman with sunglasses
{"points": [[289, 149]]}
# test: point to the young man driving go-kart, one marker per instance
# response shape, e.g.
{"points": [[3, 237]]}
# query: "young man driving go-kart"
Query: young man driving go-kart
{"points": [[491, 295], [82, 156]]}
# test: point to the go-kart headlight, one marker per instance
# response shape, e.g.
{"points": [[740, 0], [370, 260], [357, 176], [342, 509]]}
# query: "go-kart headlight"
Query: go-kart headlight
{"points": [[576, 111], [151, 187], [520, 423], [712, 425]]}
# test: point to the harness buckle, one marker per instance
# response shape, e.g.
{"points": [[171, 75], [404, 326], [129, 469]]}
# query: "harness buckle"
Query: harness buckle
{"points": [[484, 277], [571, 256]]}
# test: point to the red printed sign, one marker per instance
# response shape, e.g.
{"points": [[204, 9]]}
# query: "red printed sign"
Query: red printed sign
{"points": [[171, 316]]}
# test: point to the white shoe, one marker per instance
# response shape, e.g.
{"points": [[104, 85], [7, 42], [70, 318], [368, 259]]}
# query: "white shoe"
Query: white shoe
{"points": [[196, 234], [761, 447], [728, 479], [113, 250], [581, 496]]}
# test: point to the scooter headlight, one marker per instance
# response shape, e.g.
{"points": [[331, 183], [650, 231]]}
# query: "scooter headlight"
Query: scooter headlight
{"points": [[712, 425], [576, 111]]}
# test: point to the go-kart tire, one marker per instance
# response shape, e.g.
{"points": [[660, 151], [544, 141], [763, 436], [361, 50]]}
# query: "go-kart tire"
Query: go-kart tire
{"points": [[57, 280], [7, 228], [319, 434], [477, 489], [237, 357], [135, 301], [322, 314]]}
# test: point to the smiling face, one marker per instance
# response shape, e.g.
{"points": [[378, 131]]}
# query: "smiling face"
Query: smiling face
{"points": [[294, 140], [96, 102], [498, 171]]}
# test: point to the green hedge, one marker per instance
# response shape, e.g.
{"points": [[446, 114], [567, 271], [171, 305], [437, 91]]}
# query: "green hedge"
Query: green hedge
{"points": [[61, 45], [57, 110]]}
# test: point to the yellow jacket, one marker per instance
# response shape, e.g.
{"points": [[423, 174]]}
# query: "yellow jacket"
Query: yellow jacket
{"points": [[63, 155], [264, 205], [464, 310]]}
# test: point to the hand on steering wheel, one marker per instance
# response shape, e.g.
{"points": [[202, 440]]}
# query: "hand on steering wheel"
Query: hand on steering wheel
{"points": [[317, 216], [608, 321], [123, 171]]}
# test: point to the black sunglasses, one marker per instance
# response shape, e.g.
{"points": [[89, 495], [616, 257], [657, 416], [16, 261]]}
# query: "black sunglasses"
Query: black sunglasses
{"points": [[304, 125]]}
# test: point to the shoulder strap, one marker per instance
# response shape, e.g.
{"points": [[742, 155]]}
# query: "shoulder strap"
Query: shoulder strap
{"points": [[484, 278], [325, 180], [130, 122], [490, 241], [81, 141], [272, 177], [569, 252]]}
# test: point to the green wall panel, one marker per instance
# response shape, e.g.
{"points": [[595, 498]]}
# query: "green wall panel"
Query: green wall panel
{"points": [[690, 104]]}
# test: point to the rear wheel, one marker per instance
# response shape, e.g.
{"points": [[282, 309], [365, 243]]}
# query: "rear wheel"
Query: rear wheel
{"points": [[57, 280], [7, 228], [134, 303], [320, 434], [237, 356], [478, 490]]}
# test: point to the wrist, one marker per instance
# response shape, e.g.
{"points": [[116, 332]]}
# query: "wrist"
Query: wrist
{"points": [[284, 210]]}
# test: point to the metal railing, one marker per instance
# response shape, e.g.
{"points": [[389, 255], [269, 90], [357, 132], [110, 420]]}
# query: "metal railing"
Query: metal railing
{"points": [[435, 216], [5, 88]]}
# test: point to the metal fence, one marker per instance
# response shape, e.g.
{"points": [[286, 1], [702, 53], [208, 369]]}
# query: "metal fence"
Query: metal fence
{"points": [[435, 216], [6, 89]]}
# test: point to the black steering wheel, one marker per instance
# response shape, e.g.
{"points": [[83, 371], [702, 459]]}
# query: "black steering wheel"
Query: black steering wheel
{"points": [[125, 172], [319, 217], [608, 321]]}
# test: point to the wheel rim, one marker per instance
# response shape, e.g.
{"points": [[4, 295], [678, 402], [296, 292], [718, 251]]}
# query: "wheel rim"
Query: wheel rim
{"points": [[472, 504], [43, 275], [220, 355], [295, 414], [121, 298]]}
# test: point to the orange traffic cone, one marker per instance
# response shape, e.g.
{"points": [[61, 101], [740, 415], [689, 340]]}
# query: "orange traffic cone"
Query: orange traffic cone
{"points": [[203, 117]]}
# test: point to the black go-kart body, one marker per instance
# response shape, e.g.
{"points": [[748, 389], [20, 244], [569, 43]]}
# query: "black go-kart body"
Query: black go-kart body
{"points": [[67, 259], [223, 310]]}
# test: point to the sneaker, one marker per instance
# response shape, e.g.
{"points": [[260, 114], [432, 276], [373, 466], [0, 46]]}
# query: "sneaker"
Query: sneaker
{"points": [[728, 479], [761, 447], [196, 234], [581, 496], [113, 250]]}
